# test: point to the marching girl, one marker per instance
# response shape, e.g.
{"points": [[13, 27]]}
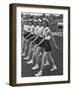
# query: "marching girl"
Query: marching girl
{"points": [[24, 33], [32, 37], [39, 48], [28, 34], [36, 40], [47, 51]]}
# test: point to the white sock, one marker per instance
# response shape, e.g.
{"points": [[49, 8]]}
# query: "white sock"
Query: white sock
{"points": [[39, 73], [36, 66], [26, 57], [53, 68], [31, 61], [47, 63]]}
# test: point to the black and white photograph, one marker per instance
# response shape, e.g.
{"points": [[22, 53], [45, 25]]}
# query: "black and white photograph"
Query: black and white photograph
{"points": [[41, 44]]}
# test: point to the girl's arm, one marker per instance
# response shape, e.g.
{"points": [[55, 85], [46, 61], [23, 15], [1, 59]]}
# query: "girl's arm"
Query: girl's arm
{"points": [[40, 42], [54, 40], [28, 35], [35, 39], [31, 37]]}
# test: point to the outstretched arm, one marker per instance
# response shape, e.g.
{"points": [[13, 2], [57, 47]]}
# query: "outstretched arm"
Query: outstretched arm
{"points": [[40, 42], [54, 40], [35, 39], [28, 35], [31, 37]]}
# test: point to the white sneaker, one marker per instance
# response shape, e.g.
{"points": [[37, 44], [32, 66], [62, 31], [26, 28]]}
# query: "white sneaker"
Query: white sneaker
{"points": [[35, 67], [26, 57], [39, 73], [47, 63], [32, 49], [40, 54], [30, 62], [23, 54], [53, 68]]}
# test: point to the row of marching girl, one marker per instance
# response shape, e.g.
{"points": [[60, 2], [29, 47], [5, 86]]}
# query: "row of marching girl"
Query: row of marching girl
{"points": [[43, 42], [40, 38], [34, 27], [30, 29], [45, 45], [38, 31], [27, 29]]}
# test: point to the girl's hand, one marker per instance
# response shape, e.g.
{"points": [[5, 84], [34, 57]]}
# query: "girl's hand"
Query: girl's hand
{"points": [[57, 47]]}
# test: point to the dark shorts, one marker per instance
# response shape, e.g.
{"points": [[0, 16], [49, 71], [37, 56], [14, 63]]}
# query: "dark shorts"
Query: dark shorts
{"points": [[46, 45], [37, 41], [31, 35], [32, 38], [26, 33]]}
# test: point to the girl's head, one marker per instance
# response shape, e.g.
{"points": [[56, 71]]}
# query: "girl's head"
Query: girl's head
{"points": [[35, 23], [39, 22], [45, 23], [30, 22], [25, 22]]}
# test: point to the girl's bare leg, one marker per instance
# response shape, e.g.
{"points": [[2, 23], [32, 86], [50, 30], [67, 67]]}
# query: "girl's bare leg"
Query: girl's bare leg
{"points": [[22, 43], [54, 66], [31, 61], [46, 61], [36, 54], [42, 65], [25, 47], [30, 49]]}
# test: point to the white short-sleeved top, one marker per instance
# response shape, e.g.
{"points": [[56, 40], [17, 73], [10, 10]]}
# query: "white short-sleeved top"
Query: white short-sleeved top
{"points": [[40, 31], [45, 29], [47, 37], [36, 29], [31, 28], [40, 28], [26, 27]]}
